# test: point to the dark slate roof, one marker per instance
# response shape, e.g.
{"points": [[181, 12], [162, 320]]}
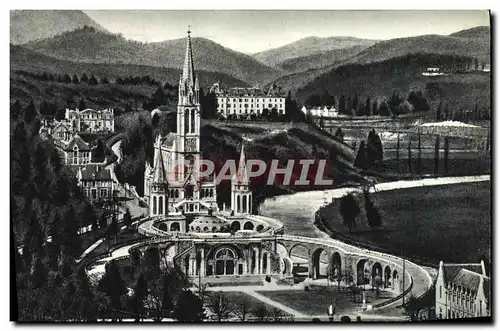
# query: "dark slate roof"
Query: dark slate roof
{"points": [[78, 141], [452, 270], [168, 141], [468, 279], [95, 172]]}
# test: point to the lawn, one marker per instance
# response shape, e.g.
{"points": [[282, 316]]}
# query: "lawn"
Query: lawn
{"points": [[315, 301], [450, 222]]}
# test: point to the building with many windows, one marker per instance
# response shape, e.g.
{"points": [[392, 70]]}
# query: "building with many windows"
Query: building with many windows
{"points": [[75, 151], [96, 182], [462, 291], [245, 101], [91, 120]]}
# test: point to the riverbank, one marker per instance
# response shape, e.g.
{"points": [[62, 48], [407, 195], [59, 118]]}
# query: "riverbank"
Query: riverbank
{"points": [[426, 224]]}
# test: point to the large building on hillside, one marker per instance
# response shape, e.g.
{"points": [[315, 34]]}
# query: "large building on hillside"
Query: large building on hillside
{"points": [[91, 120], [245, 101], [462, 291]]}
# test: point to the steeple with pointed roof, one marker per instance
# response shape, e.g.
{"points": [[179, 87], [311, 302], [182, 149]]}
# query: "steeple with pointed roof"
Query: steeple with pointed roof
{"points": [[188, 86], [159, 176], [241, 177]]}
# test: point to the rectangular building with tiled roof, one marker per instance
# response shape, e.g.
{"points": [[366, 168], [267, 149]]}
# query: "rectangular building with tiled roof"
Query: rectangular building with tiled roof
{"points": [[96, 182], [462, 291]]}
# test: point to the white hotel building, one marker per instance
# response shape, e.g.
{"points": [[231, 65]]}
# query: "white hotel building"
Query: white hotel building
{"points": [[242, 101]]}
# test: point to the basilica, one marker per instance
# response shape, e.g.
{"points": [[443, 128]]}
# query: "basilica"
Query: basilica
{"points": [[177, 195]]}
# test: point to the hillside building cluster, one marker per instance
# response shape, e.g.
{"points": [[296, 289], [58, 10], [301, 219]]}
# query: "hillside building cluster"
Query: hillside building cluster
{"points": [[245, 101], [95, 179]]}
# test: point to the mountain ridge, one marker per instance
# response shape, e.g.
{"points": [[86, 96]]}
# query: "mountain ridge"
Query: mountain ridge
{"points": [[49, 23], [114, 49]]}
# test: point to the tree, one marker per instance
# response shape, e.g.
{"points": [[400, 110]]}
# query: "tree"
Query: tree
{"points": [[446, 153], [219, 304], [372, 214], [375, 111], [397, 154], [242, 309], [313, 100], [374, 149], [412, 308], [342, 108], [66, 79], [127, 218], [189, 308], [104, 80], [409, 155], [261, 313], [113, 285], [349, 210], [30, 113], [339, 134], [362, 160], [93, 80], [418, 101], [438, 111], [81, 104], [436, 156], [84, 79], [140, 293], [39, 275], [75, 79], [419, 160], [367, 107]]}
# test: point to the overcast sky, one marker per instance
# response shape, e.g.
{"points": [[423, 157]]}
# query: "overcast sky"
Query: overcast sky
{"points": [[254, 31]]}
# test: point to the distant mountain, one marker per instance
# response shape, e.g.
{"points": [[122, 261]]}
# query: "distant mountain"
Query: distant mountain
{"points": [[22, 58], [308, 46], [319, 60], [473, 43], [29, 25], [88, 46], [476, 32], [378, 81]]}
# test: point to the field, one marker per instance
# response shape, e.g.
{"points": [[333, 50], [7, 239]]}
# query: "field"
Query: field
{"points": [[450, 223], [315, 301]]}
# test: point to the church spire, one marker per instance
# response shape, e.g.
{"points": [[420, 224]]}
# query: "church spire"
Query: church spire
{"points": [[159, 176], [242, 176], [188, 68]]}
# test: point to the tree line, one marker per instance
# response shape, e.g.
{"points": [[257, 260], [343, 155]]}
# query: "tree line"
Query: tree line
{"points": [[90, 79], [45, 202]]}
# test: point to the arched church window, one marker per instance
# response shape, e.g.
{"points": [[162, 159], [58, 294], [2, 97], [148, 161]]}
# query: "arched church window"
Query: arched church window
{"points": [[160, 205], [186, 121], [211, 192], [244, 203], [224, 262], [154, 205], [238, 204], [192, 121]]}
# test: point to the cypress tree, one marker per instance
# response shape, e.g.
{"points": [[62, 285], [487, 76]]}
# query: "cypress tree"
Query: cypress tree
{"points": [[436, 156], [409, 156], [419, 160], [446, 151]]}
